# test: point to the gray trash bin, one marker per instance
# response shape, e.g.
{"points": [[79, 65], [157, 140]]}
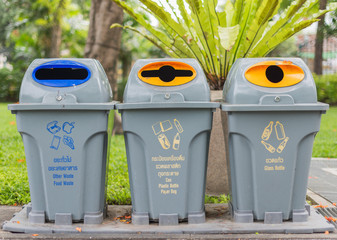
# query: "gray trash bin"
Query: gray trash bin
{"points": [[63, 118], [273, 116], [167, 119]]}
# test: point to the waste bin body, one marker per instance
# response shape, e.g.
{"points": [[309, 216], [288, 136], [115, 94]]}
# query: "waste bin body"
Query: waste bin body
{"points": [[272, 118], [167, 127], [63, 118]]}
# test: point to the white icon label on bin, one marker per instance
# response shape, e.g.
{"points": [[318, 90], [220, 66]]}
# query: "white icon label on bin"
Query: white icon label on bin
{"points": [[161, 128]]}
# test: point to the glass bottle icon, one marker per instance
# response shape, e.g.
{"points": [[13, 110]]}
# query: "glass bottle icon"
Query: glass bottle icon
{"points": [[282, 145], [267, 131], [269, 147]]}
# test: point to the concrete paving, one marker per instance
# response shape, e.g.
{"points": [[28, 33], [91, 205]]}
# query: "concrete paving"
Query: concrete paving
{"points": [[323, 178], [212, 211]]}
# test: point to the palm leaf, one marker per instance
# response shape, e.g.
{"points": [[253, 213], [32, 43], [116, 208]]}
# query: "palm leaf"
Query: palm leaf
{"points": [[288, 29], [250, 8], [159, 44], [191, 35], [279, 24], [228, 36], [175, 30], [229, 9], [244, 28], [239, 9], [167, 41], [284, 35], [203, 30], [213, 36], [264, 13]]}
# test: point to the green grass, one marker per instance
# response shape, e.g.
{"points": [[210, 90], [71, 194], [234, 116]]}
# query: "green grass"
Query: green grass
{"points": [[325, 144], [118, 190], [14, 189]]}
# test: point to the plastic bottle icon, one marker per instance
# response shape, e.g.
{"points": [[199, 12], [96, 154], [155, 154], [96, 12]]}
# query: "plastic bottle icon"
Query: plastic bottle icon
{"points": [[279, 129], [282, 145], [267, 131], [269, 147], [176, 142], [164, 142]]}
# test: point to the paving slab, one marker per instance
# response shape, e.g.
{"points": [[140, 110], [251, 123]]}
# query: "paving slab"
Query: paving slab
{"points": [[218, 225], [323, 178]]}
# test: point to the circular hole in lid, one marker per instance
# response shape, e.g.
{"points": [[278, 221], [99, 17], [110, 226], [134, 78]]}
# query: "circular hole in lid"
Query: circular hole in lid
{"points": [[166, 73], [274, 74]]}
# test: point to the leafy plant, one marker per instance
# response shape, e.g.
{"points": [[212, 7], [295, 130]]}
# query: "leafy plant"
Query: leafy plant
{"points": [[217, 199], [216, 35], [10, 81], [326, 88]]}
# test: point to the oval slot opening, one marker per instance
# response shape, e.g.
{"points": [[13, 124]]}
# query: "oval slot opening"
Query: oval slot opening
{"points": [[274, 74], [61, 74], [167, 73]]}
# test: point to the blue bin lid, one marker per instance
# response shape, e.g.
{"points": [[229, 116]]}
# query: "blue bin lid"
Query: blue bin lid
{"points": [[61, 73], [65, 81]]}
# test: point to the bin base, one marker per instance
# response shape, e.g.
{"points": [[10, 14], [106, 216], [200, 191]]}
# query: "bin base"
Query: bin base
{"points": [[140, 218], [36, 217], [218, 221], [196, 218], [93, 218], [39, 217], [246, 216], [243, 216], [167, 219]]}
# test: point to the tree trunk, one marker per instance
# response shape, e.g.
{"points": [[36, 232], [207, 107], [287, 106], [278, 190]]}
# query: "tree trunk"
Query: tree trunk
{"points": [[56, 39], [103, 43], [319, 42], [126, 64], [54, 44]]}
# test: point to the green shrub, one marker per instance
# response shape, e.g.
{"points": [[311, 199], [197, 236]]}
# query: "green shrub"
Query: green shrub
{"points": [[217, 199], [326, 88], [10, 81]]}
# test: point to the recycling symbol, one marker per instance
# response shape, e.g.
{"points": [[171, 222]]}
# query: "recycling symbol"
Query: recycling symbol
{"points": [[280, 135]]}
